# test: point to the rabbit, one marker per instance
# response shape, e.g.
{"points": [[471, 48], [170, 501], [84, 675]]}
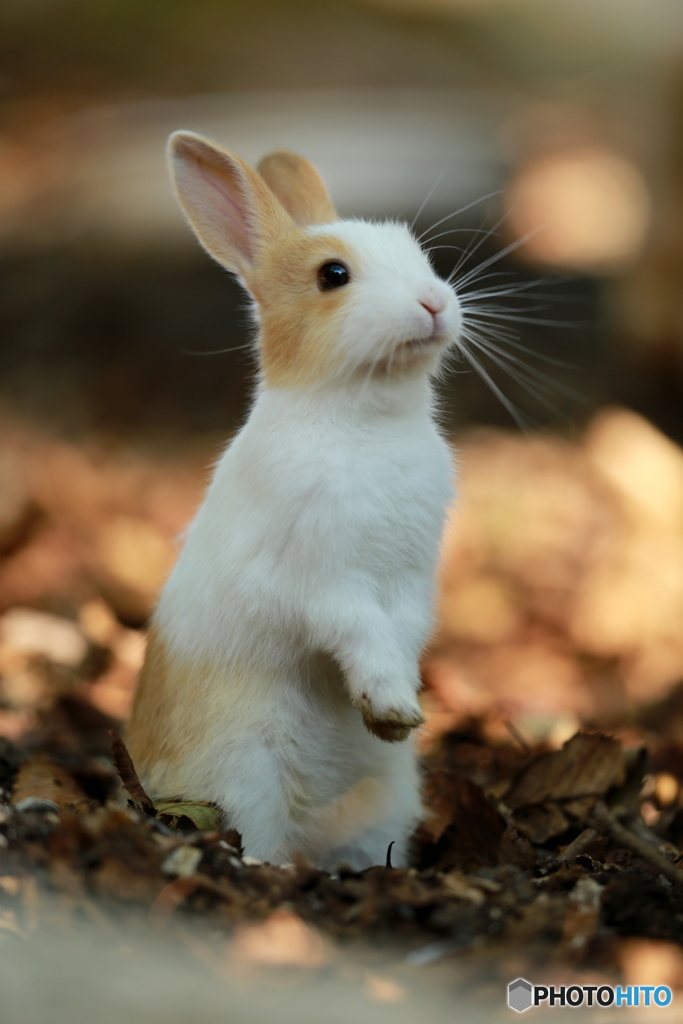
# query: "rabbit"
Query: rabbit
{"points": [[282, 668]]}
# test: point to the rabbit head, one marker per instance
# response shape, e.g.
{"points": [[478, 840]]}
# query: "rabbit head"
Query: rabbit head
{"points": [[334, 299]]}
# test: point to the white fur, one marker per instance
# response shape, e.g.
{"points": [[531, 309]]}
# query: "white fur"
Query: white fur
{"points": [[391, 277], [307, 578]]}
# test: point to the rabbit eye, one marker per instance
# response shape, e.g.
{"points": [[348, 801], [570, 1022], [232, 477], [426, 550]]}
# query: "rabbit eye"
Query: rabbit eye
{"points": [[332, 275]]}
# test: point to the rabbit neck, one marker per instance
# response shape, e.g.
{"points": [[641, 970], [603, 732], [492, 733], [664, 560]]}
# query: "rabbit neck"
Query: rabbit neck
{"points": [[355, 401]]}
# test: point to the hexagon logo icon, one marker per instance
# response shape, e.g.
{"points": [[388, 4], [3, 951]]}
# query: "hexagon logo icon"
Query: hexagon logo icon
{"points": [[520, 995]]}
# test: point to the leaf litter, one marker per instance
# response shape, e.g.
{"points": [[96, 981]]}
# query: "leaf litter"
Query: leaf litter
{"points": [[537, 852], [513, 853]]}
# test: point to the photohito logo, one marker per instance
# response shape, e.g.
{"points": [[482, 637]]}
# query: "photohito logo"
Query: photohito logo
{"points": [[522, 995]]}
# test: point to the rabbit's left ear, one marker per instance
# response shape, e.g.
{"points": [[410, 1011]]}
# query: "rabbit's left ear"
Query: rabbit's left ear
{"points": [[230, 208], [299, 187]]}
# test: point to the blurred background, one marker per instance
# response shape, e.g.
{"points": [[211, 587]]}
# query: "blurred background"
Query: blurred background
{"points": [[555, 124]]}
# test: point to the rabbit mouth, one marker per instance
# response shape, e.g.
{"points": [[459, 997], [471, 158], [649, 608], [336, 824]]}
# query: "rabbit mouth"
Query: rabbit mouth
{"points": [[410, 353], [423, 344]]}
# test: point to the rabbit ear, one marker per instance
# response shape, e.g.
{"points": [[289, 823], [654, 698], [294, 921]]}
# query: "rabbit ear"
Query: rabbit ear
{"points": [[298, 186], [229, 207]]}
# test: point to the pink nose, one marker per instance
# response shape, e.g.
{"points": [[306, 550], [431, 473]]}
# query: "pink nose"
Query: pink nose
{"points": [[434, 302]]}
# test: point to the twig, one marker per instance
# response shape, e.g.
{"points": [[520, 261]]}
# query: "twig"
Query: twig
{"points": [[516, 735], [604, 821], [579, 845], [388, 862], [129, 777]]}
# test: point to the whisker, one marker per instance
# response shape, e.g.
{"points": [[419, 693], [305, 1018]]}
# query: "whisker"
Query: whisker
{"points": [[528, 372], [476, 307], [505, 288], [215, 351], [468, 206], [508, 292], [433, 248], [520, 319], [473, 316], [473, 274], [460, 231], [498, 273], [433, 188], [485, 376], [536, 283], [474, 244], [519, 376]]}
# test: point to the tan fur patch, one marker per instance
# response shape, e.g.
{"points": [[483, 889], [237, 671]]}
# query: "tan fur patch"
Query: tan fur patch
{"points": [[343, 820], [299, 323], [298, 186], [179, 707], [243, 220], [149, 735]]}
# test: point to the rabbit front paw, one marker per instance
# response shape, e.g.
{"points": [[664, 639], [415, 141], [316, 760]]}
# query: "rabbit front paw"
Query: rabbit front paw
{"points": [[389, 719]]}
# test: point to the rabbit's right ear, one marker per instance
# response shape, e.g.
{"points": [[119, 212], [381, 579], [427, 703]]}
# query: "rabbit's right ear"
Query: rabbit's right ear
{"points": [[230, 208], [298, 186]]}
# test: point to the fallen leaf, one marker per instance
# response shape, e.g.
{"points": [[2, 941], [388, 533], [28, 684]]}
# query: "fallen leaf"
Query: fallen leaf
{"points": [[204, 816], [516, 849], [472, 836], [44, 779], [589, 764]]}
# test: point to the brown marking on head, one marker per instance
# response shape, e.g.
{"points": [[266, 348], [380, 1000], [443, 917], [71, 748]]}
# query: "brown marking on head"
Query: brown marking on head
{"points": [[242, 224], [298, 186], [299, 322]]}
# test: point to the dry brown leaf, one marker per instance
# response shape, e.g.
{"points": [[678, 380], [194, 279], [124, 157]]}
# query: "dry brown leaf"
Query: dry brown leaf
{"points": [[471, 838], [44, 779], [589, 764], [541, 822], [516, 849]]}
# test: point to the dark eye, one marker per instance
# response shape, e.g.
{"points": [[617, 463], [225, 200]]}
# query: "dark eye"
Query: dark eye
{"points": [[332, 275]]}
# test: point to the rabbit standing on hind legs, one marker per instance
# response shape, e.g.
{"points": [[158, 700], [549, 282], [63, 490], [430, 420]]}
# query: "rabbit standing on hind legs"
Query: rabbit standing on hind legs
{"points": [[281, 675]]}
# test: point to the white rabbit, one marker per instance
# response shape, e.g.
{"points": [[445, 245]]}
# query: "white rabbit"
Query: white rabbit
{"points": [[281, 677]]}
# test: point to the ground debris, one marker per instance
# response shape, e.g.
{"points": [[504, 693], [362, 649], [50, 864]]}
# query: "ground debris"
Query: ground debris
{"points": [[560, 788], [553, 752], [478, 876]]}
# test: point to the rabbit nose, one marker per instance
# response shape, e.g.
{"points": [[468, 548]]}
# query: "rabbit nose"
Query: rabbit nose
{"points": [[433, 301]]}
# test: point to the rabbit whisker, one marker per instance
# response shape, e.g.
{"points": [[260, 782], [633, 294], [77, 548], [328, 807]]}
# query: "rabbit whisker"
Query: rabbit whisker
{"points": [[468, 206], [215, 351], [433, 188]]}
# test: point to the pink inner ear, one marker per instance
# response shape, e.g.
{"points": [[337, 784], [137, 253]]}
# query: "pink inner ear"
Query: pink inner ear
{"points": [[226, 217]]}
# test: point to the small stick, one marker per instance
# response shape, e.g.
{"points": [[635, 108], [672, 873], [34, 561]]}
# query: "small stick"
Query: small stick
{"points": [[579, 845], [388, 863], [606, 823], [123, 763], [516, 735]]}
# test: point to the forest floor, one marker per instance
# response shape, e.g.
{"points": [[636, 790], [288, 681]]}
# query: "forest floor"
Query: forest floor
{"points": [[553, 751]]}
